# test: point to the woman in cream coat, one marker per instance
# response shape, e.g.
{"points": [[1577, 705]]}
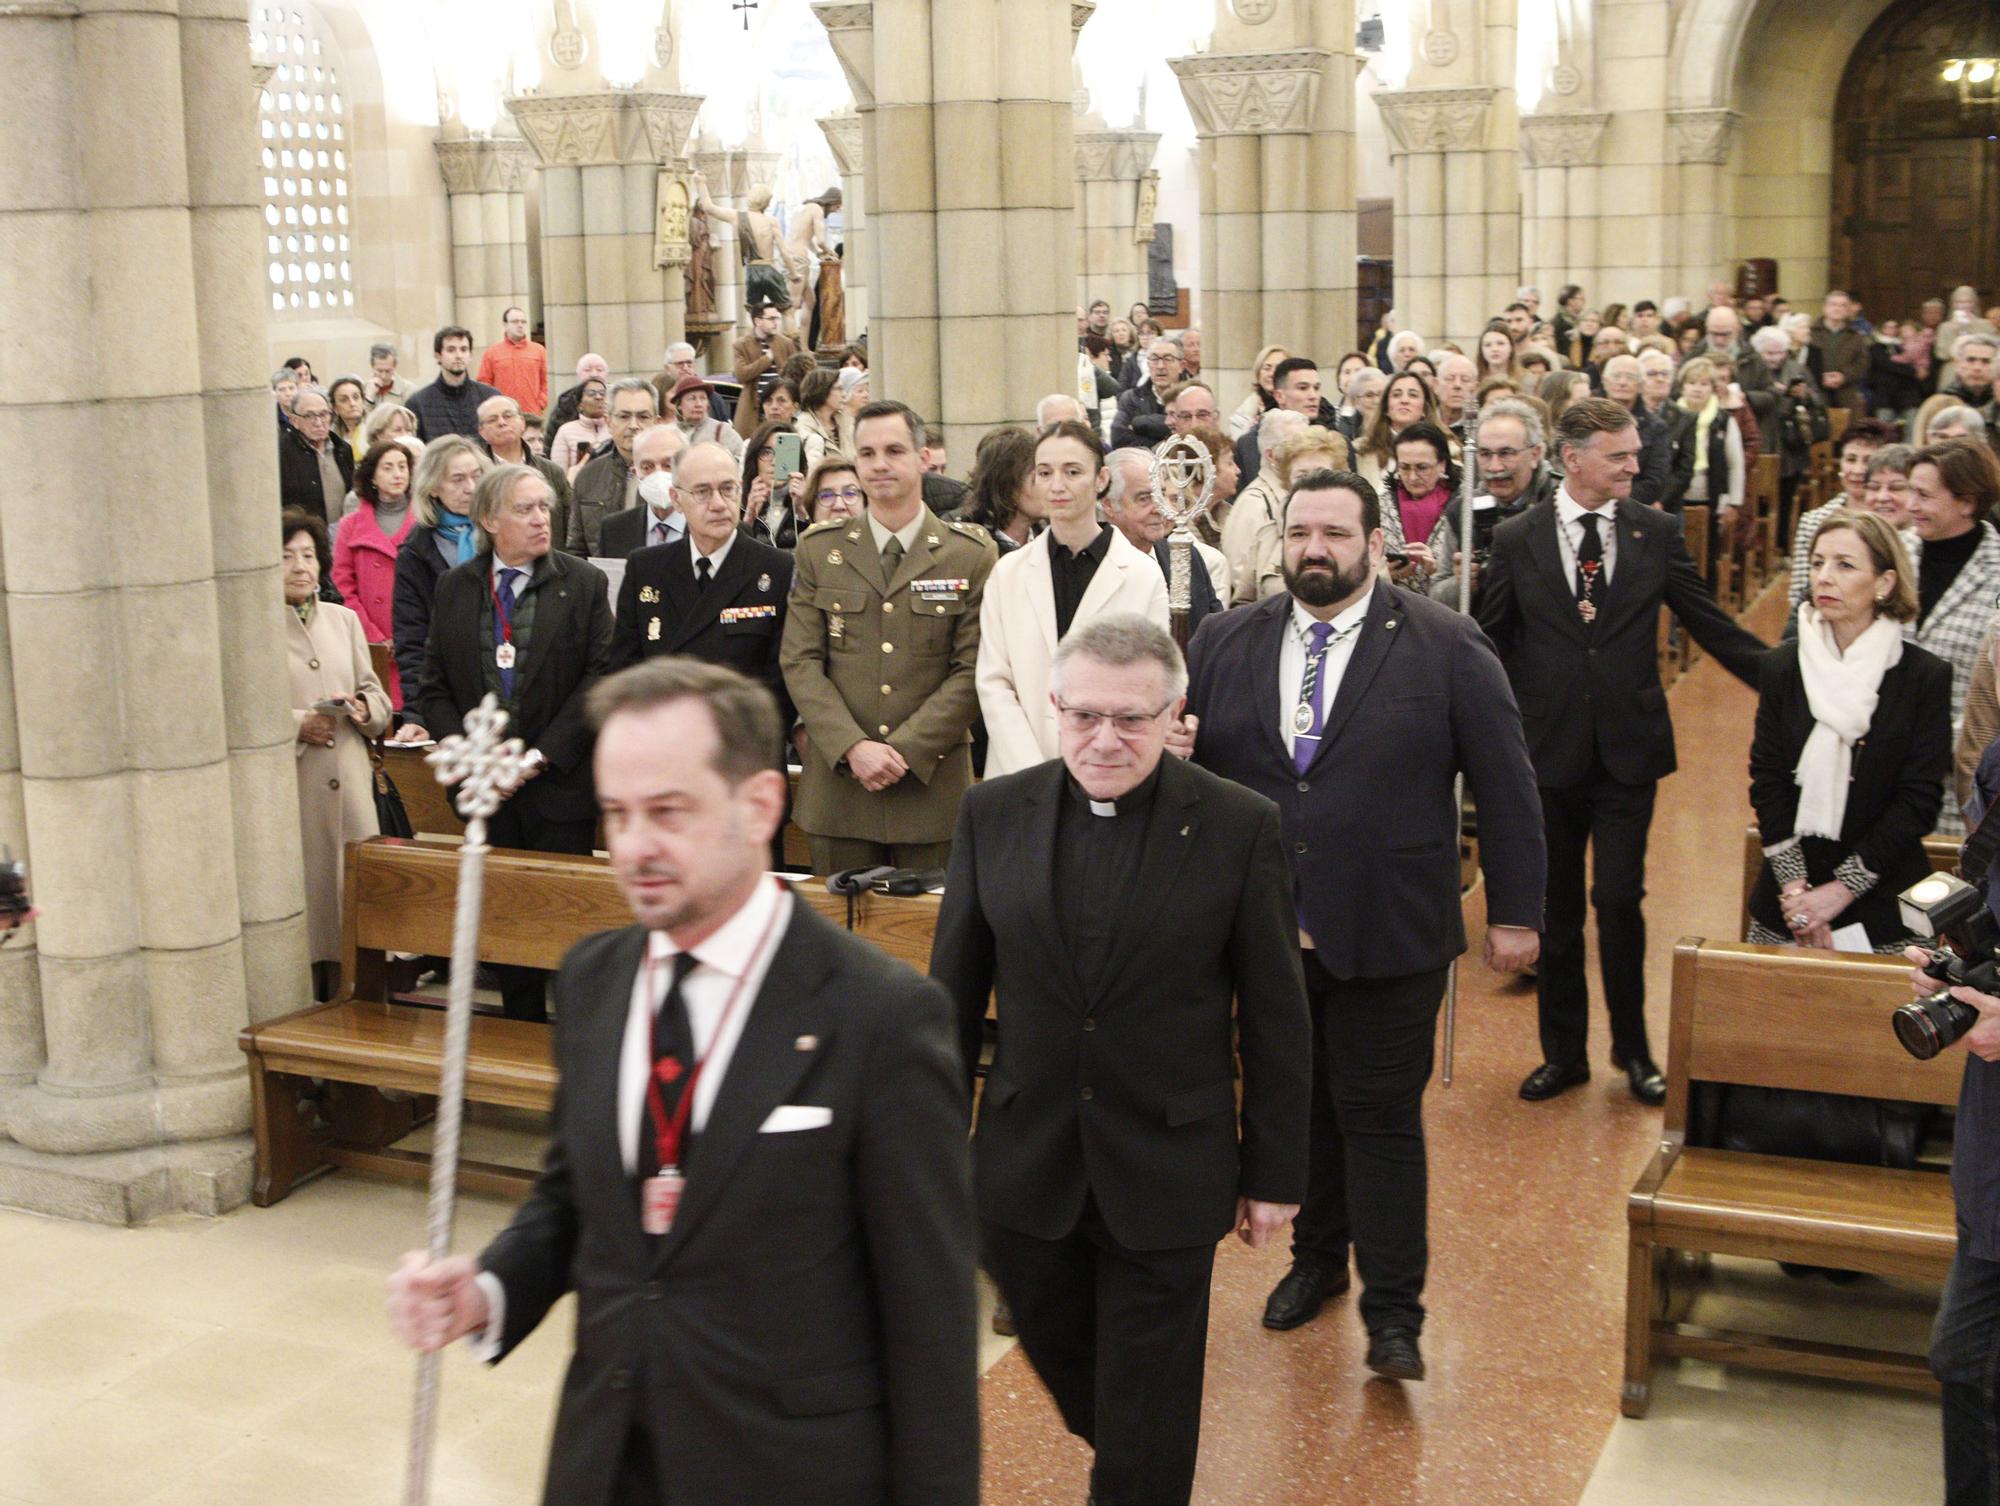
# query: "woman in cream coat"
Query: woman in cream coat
{"points": [[329, 661], [1017, 618]]}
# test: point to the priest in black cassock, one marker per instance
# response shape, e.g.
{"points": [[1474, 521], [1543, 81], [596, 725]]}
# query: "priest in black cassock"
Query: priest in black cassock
{"points": [[1117, 903]]}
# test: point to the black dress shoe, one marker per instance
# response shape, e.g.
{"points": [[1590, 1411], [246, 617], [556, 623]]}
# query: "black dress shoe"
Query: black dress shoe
{"points": [[1393, 1353], [1297, 1298], [1548, 1079], [1648, 1085]]}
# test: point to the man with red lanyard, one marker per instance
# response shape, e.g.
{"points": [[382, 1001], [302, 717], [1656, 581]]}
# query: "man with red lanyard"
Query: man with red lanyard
{"points": [[758, 1182]]}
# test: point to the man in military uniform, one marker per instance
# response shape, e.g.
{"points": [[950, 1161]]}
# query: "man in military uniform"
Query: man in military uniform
{"points": [[880, 649]]}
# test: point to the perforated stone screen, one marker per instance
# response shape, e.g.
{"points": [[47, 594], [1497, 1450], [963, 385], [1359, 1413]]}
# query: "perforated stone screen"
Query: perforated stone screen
{"points": [[302, 120]]}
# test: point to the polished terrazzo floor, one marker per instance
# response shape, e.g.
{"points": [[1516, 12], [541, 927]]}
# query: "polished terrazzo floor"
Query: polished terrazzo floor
{"points": [[246, 1359]]}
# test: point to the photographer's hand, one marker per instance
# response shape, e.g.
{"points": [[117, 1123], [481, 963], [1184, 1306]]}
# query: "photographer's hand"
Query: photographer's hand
{"points": [[1983, 1039]]}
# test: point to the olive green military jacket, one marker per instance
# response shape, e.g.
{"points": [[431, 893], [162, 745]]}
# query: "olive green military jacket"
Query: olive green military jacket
{"points": [[875, 658]]}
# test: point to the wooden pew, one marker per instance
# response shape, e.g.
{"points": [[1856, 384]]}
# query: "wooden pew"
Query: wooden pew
{"points": [[1781, 1017], [1695, 528], [1942, 852], [1763, 555], [431, 813], [399, 898]]}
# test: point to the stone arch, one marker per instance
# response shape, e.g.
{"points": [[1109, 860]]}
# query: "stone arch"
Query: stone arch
{"points": [[1775, 66]]}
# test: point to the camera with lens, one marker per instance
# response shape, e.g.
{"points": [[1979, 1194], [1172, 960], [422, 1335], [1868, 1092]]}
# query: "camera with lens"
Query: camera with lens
{"points": [[1947, 910], [1485, 518]]}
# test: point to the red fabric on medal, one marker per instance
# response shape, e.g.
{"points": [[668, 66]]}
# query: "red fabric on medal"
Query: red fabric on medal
{"points": [[660, 1194]]}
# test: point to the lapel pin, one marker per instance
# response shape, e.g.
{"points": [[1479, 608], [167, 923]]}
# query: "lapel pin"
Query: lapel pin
{"points": [[764, 583], [1184, 831], [1389, 624], [806, 1043], [1638, 535]]}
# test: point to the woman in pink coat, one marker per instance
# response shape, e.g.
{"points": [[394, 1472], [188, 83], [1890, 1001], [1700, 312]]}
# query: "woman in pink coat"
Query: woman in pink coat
{"points": [[364, 550]]}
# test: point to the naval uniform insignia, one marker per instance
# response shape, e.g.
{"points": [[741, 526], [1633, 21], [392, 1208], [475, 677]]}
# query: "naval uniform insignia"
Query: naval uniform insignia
{"points": [[652, 630], [764, 583], [649, 594]]}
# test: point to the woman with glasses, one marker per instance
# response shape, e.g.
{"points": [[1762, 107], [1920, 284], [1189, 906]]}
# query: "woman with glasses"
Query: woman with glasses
{"points": [[833, 491], [1417, 495], [576, 439]]}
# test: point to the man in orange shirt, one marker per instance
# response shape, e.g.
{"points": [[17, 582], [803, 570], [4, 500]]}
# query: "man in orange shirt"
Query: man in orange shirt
{"points": [[517, 365]]}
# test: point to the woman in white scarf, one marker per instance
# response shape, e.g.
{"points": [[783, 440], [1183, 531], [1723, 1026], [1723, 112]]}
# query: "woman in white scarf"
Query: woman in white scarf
{"points": [[1853, 732]]}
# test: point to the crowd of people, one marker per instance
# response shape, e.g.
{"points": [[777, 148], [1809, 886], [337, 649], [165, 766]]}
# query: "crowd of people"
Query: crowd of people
{"points": [[975, 678]]}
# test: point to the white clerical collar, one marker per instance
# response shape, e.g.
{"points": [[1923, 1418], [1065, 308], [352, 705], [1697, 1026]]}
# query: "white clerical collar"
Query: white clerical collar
{"points": [[907, 534], [730, 947]]}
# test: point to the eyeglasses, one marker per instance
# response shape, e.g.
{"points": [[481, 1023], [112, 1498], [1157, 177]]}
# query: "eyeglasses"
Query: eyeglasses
{"points": [[1127, 724], [1499, 457], [844, 494], [726, 490], [1421, 468]]}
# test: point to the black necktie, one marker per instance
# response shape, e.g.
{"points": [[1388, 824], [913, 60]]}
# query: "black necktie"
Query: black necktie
{"points": [[673, 1040], [1590, 568], [701, 573]]}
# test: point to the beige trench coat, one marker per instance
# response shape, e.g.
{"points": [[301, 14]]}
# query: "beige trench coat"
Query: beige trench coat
{"points": [[336, 784]]}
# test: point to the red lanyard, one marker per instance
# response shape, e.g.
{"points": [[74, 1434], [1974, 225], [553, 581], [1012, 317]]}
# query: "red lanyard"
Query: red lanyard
{"points": [[670, 1132], [503, 623]]}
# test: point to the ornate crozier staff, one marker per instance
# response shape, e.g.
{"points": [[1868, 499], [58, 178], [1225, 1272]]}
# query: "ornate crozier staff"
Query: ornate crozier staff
{"points": [[486, 770], [1183, 484]]}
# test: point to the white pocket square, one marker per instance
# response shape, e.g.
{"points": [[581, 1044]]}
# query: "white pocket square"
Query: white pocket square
{"points": [[796, 1116]]}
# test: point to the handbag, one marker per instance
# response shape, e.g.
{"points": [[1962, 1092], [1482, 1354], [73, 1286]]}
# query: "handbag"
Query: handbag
{"points": [[390, 815]]}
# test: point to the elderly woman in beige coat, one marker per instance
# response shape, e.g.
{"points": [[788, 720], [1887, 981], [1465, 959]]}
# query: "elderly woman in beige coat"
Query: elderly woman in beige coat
{"points": [[338, 704]]}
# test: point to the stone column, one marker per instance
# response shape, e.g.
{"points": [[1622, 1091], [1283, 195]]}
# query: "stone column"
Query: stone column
{"points": [[1111, 169], [1452, 135], [720, 168], [1702, 140], [487, 180], [146, 686], [601, 155], [971, 185], [1276, 134], [1559, 202], [844, 136]]}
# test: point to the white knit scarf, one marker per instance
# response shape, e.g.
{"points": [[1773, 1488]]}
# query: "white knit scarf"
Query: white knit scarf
{"points": [[1842, 690]]}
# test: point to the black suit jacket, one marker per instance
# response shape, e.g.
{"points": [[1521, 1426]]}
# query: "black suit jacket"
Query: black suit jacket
{"points": [[1126, 1093], [1370, 828], [1590, 690], [298, 472], [806, 1330], [1901, 766], [568, 651], [660, 612], [623, 533], [419, 568]]}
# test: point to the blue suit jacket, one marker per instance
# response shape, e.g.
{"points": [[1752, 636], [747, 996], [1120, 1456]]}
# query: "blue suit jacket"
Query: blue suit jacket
{"points": [[1370, 828]]}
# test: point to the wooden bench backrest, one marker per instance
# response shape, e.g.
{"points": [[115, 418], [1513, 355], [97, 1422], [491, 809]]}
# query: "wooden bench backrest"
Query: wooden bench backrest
{"points": [[401, 895], [1942, 852], [1787, 1017]]}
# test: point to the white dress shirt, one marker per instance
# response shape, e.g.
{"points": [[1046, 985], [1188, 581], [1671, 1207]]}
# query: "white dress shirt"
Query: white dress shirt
{"points": [[714, 560], [1332, 668], [907, 533], [675, 521], [729, 957], [1569, 533]]}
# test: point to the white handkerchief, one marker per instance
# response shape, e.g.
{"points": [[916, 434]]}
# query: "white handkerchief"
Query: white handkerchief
{"points": [[796, 1116]]}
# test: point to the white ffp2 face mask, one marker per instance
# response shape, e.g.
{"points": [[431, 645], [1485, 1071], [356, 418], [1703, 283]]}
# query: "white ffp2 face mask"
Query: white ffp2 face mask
{"points": [[657, 491]]}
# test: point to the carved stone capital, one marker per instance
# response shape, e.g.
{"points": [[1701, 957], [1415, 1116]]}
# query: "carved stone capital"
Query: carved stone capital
{"points": [[1252, 93], [843, 138], [260, 74], [1114, 156], [719, 168], [503, 165], [850, 27], [1080, 11], [1562, 139], [1435, 120], [1703, 135], [604, 130]]}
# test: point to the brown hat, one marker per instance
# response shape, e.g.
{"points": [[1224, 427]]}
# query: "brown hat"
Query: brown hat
{"points": [[828, 200], [686, 385]]}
